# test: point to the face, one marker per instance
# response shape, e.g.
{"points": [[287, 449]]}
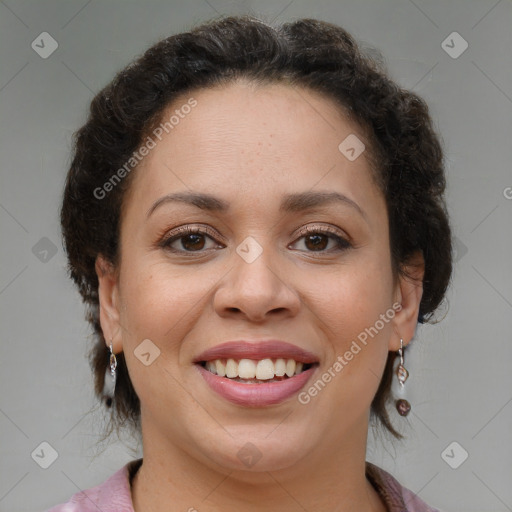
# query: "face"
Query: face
{"points": [[288, 258]]}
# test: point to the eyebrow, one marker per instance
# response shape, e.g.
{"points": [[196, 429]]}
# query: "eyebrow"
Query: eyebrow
{"points": [[291, 203]]}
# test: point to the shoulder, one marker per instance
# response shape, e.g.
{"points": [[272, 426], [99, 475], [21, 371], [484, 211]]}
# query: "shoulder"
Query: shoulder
{"points": [[113, 495], [396, 497]]}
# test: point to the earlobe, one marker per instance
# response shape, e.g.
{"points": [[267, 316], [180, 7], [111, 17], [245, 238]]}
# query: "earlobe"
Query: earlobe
{"points": [[108, 302], [408, 293]]}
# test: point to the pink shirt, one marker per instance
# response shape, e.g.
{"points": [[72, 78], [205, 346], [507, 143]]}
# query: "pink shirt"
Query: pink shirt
{"points": [[114, 495]]}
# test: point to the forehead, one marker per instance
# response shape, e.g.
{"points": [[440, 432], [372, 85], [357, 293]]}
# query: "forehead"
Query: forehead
{"points": [[252, 141]]}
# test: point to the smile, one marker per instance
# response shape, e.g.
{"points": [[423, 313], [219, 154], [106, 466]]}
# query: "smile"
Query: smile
{"points": [[256, 374]]}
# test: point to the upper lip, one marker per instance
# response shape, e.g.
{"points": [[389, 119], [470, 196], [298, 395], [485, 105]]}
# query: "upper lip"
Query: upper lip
{"points": [[264, 349]]}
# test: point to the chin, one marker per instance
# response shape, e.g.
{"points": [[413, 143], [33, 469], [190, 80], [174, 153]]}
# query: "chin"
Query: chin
{"points": [[258, 452]]}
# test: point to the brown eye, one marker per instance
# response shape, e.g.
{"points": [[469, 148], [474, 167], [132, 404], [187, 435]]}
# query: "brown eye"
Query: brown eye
{"points": [[193, 242], [316, 242], [322, 240], [188, 239]]}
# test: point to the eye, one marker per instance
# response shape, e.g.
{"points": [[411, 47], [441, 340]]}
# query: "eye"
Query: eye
{"points": [[189, 239], [318, 239], [192, 239]]}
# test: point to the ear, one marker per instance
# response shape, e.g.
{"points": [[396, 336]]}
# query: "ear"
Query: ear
{"points": [[408, 293], [108, 294]]}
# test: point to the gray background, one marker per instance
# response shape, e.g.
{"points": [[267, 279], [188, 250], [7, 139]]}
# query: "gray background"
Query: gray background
{"points": [[461, 378]]}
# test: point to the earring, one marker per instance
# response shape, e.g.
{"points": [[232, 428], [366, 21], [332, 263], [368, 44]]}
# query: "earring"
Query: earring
{"points": [[402, 405], [110, 378]]}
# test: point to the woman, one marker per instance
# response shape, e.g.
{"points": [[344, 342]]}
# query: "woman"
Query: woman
{"points": [[255, 218]]}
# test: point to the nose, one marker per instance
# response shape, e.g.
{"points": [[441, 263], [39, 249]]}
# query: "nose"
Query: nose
{"points": [[257, 290]]}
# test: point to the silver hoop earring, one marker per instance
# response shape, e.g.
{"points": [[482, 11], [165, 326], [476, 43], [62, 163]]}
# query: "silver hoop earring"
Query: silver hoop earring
{"points": [[402, 405], [109, 385]]}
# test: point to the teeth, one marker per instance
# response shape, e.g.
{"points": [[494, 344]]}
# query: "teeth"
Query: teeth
{"points": [[265, 369], [231, 368], [246, 369], [220, 367], [290, 367], [280, 367], [211, 367]]}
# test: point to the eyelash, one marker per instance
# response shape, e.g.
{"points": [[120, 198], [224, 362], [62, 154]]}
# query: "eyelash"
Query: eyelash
{"points": [[342, 243]]}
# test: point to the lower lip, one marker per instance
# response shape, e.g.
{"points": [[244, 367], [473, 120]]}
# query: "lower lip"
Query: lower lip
{"points": [[255, 395]]}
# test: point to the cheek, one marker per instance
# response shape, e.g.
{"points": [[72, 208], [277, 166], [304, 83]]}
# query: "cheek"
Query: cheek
{"points": [[355, 312], [353, 298], [162, 302], [158, 306]]}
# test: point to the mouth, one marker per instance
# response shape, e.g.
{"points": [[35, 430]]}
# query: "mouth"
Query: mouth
{"points": [[256, 374]]}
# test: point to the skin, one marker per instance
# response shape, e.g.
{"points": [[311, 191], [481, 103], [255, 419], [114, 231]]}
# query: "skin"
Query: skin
{"points": [[250, 145]]}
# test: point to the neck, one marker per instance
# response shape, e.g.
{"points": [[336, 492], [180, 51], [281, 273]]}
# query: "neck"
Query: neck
{"points": [[327, 479]]}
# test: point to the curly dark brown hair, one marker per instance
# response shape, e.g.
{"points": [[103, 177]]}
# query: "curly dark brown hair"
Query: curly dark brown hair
{"points": [[308, 53]]}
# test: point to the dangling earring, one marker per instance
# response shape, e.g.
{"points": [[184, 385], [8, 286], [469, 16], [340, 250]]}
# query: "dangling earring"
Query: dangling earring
{"points": [[402, 405], [109, 386]]}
